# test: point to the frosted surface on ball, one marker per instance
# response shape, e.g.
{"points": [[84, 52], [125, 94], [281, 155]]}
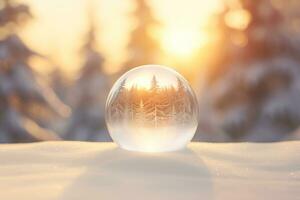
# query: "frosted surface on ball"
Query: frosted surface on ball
{"points": [[152, 109]]}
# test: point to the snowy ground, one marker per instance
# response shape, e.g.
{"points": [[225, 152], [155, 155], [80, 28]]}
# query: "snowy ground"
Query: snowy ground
{"points": [[78, 170]]}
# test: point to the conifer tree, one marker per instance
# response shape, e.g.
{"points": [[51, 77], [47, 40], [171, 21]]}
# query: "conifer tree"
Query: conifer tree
{"points": [[181, 101], [141, 114], [27, 105], [254, 92], [152, 103], [164, 105], [154, 85], [89, 95], [143, 48], [60, 83], [119, 105]]}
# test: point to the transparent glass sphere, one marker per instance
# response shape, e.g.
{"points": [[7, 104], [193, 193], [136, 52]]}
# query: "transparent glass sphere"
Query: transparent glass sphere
{"points": [[151, 108]]}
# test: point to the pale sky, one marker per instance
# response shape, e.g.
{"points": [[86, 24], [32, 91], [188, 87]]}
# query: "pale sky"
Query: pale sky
{"points": [[59, 27]]}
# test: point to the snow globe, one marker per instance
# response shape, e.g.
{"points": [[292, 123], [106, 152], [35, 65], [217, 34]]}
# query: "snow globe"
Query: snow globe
{"points": [[151, 108]]}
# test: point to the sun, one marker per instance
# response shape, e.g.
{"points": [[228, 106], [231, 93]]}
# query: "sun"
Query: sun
{"points": [[180, 42]]}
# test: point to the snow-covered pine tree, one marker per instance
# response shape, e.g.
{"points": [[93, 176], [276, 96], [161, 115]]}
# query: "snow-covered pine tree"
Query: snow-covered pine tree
{"points": [[152, 102], [60, 83], [154, 86], [171, 109], [164, 106], [132, 103], [26, 104], [143, 47], [140, 117], [89, 95], [182, 103], [253, 93], [118, 108]]}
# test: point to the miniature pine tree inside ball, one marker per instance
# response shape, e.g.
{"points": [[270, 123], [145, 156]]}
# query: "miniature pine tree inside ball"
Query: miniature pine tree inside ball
{"points": [[151, 109]]}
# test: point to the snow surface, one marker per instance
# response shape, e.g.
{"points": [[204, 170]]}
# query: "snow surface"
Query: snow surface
{"points": [[81, 170]]}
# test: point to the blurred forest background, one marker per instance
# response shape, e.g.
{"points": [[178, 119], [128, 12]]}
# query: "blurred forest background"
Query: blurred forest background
{"points": [[59, 58]]}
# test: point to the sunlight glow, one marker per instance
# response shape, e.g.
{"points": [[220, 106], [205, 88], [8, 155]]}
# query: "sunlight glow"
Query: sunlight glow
{"points": [[238, 19], [143, 78], [46, 32], [180, 42], [142, 82]]}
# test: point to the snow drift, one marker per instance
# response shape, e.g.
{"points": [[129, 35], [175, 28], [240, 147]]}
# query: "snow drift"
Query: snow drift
{"points": [[78, 170]]}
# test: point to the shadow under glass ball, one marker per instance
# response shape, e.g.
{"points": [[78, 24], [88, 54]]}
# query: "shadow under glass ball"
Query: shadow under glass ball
{"points": [[151, 109]]}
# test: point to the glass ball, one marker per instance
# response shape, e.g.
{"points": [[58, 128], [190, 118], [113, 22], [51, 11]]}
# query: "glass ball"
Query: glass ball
{"points": [[151, 108]]}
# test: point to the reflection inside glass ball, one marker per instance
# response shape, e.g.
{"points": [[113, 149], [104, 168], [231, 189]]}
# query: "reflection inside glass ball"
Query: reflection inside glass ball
{"points": [[151, 109]]}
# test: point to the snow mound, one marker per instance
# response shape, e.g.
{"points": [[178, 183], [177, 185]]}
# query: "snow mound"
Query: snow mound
{"points": [[81, 170]]}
